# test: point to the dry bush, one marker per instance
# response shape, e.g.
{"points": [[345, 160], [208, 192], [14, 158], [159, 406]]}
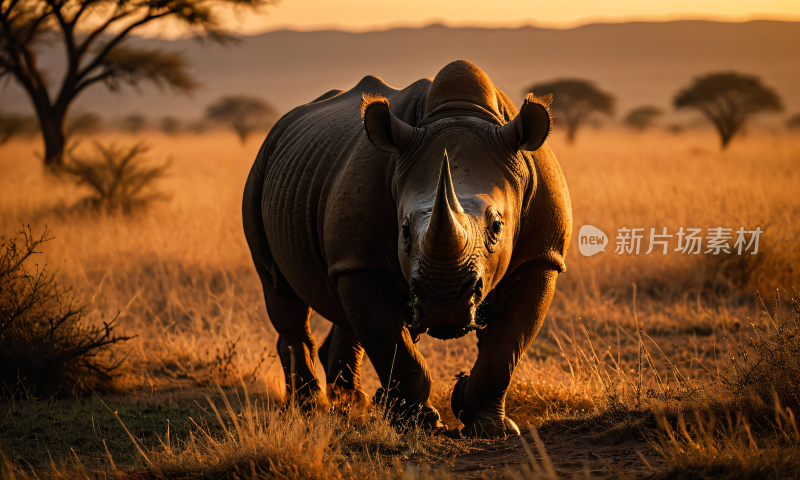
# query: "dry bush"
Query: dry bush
{"points": [[770, 367], [118, 178], [46, 339]]}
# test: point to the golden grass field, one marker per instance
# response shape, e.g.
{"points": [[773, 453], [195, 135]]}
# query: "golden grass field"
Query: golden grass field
{"points": [[181, 277]]}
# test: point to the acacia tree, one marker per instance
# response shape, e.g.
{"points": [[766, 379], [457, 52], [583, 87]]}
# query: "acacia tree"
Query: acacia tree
{"points": [[728, 99], [92, 32], [642, 117], [574, 101], [244, 114]]}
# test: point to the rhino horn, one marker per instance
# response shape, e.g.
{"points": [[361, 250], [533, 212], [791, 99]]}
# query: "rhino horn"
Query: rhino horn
{"points": [[445, 239]]}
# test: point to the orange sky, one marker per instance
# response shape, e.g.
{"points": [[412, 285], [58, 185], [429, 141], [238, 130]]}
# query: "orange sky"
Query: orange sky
{"points": [[360, 15]]}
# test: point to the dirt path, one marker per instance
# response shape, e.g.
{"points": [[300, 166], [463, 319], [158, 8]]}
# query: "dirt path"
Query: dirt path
{"points": [[603, 455]]}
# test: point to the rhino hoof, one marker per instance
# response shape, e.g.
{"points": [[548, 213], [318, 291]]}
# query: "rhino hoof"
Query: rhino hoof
{"points": [[347, 397], [351, 402], [491, 427], [310, 402]]}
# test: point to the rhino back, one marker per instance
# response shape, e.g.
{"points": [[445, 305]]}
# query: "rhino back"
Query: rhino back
{"points": [[326, 203]]}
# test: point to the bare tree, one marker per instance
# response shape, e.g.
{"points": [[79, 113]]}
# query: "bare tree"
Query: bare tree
{"points": [[728, 99], [92, 32], [244, 114], [574, 101], [642, 117]]}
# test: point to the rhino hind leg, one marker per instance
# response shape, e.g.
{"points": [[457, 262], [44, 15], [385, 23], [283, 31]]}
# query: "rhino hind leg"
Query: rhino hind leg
{"points": [[296, 348], [288, 313], [523, 299], [341, 356]]}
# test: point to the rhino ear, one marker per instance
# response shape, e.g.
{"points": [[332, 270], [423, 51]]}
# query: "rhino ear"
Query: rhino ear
{"points": [[531, 126], [384, 129]]}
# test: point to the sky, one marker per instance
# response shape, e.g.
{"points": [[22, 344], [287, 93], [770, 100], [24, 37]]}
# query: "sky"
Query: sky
{"points": [[364, 15]]}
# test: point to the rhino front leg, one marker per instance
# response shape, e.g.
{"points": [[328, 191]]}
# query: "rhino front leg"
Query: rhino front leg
{"points": [[516, 315], [377, 310]]}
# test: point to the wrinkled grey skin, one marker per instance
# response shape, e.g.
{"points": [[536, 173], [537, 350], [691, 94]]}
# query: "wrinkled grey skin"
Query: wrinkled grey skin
{"points": [[442, 211]]}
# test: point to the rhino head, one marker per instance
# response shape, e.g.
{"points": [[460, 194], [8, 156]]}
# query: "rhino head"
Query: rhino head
{"points": [[460, 184]]}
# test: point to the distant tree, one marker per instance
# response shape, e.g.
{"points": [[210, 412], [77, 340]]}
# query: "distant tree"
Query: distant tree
{"points": [[642, 117], [83, 124], [14, 124], [134, 123], [794, 122], [170, 125], [244, 114], [198, 126], [574, 101], [676, 128], [92, 32], [728, 99]]}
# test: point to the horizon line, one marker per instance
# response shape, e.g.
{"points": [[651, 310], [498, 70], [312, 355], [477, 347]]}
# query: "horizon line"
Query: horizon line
{"points": [[530, 23], [523, 23]]}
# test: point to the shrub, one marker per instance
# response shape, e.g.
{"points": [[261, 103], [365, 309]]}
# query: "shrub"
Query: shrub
{"points": [[771, 372], [45, 338], [118, 178]]}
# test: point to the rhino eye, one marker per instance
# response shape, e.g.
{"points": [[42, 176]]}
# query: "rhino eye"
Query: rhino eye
{"points": [[405, 229], [497, 226]]}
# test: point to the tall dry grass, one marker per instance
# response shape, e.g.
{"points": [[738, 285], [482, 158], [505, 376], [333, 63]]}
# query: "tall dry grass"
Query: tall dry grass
{"points": [[182, 277], [181, 274]]}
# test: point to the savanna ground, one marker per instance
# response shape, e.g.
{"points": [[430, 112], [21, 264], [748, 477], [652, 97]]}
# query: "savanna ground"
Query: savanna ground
{"points": [[639, 370]]}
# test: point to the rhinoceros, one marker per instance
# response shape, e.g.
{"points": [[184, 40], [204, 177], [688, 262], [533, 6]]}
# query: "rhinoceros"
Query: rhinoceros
{"points": [[437, 209]]}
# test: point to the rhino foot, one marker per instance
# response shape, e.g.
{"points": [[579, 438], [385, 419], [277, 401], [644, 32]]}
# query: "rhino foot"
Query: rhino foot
{"points": [[309, 401], [354, 397], [424, 416], [349, 401], [490, 427], [484, 422]]}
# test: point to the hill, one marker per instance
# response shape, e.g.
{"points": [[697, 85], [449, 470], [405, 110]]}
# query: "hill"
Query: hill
{"points": [[641, 62]]}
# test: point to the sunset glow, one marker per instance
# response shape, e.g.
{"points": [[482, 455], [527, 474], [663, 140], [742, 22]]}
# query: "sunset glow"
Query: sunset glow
{"points": [[362, 15]]}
